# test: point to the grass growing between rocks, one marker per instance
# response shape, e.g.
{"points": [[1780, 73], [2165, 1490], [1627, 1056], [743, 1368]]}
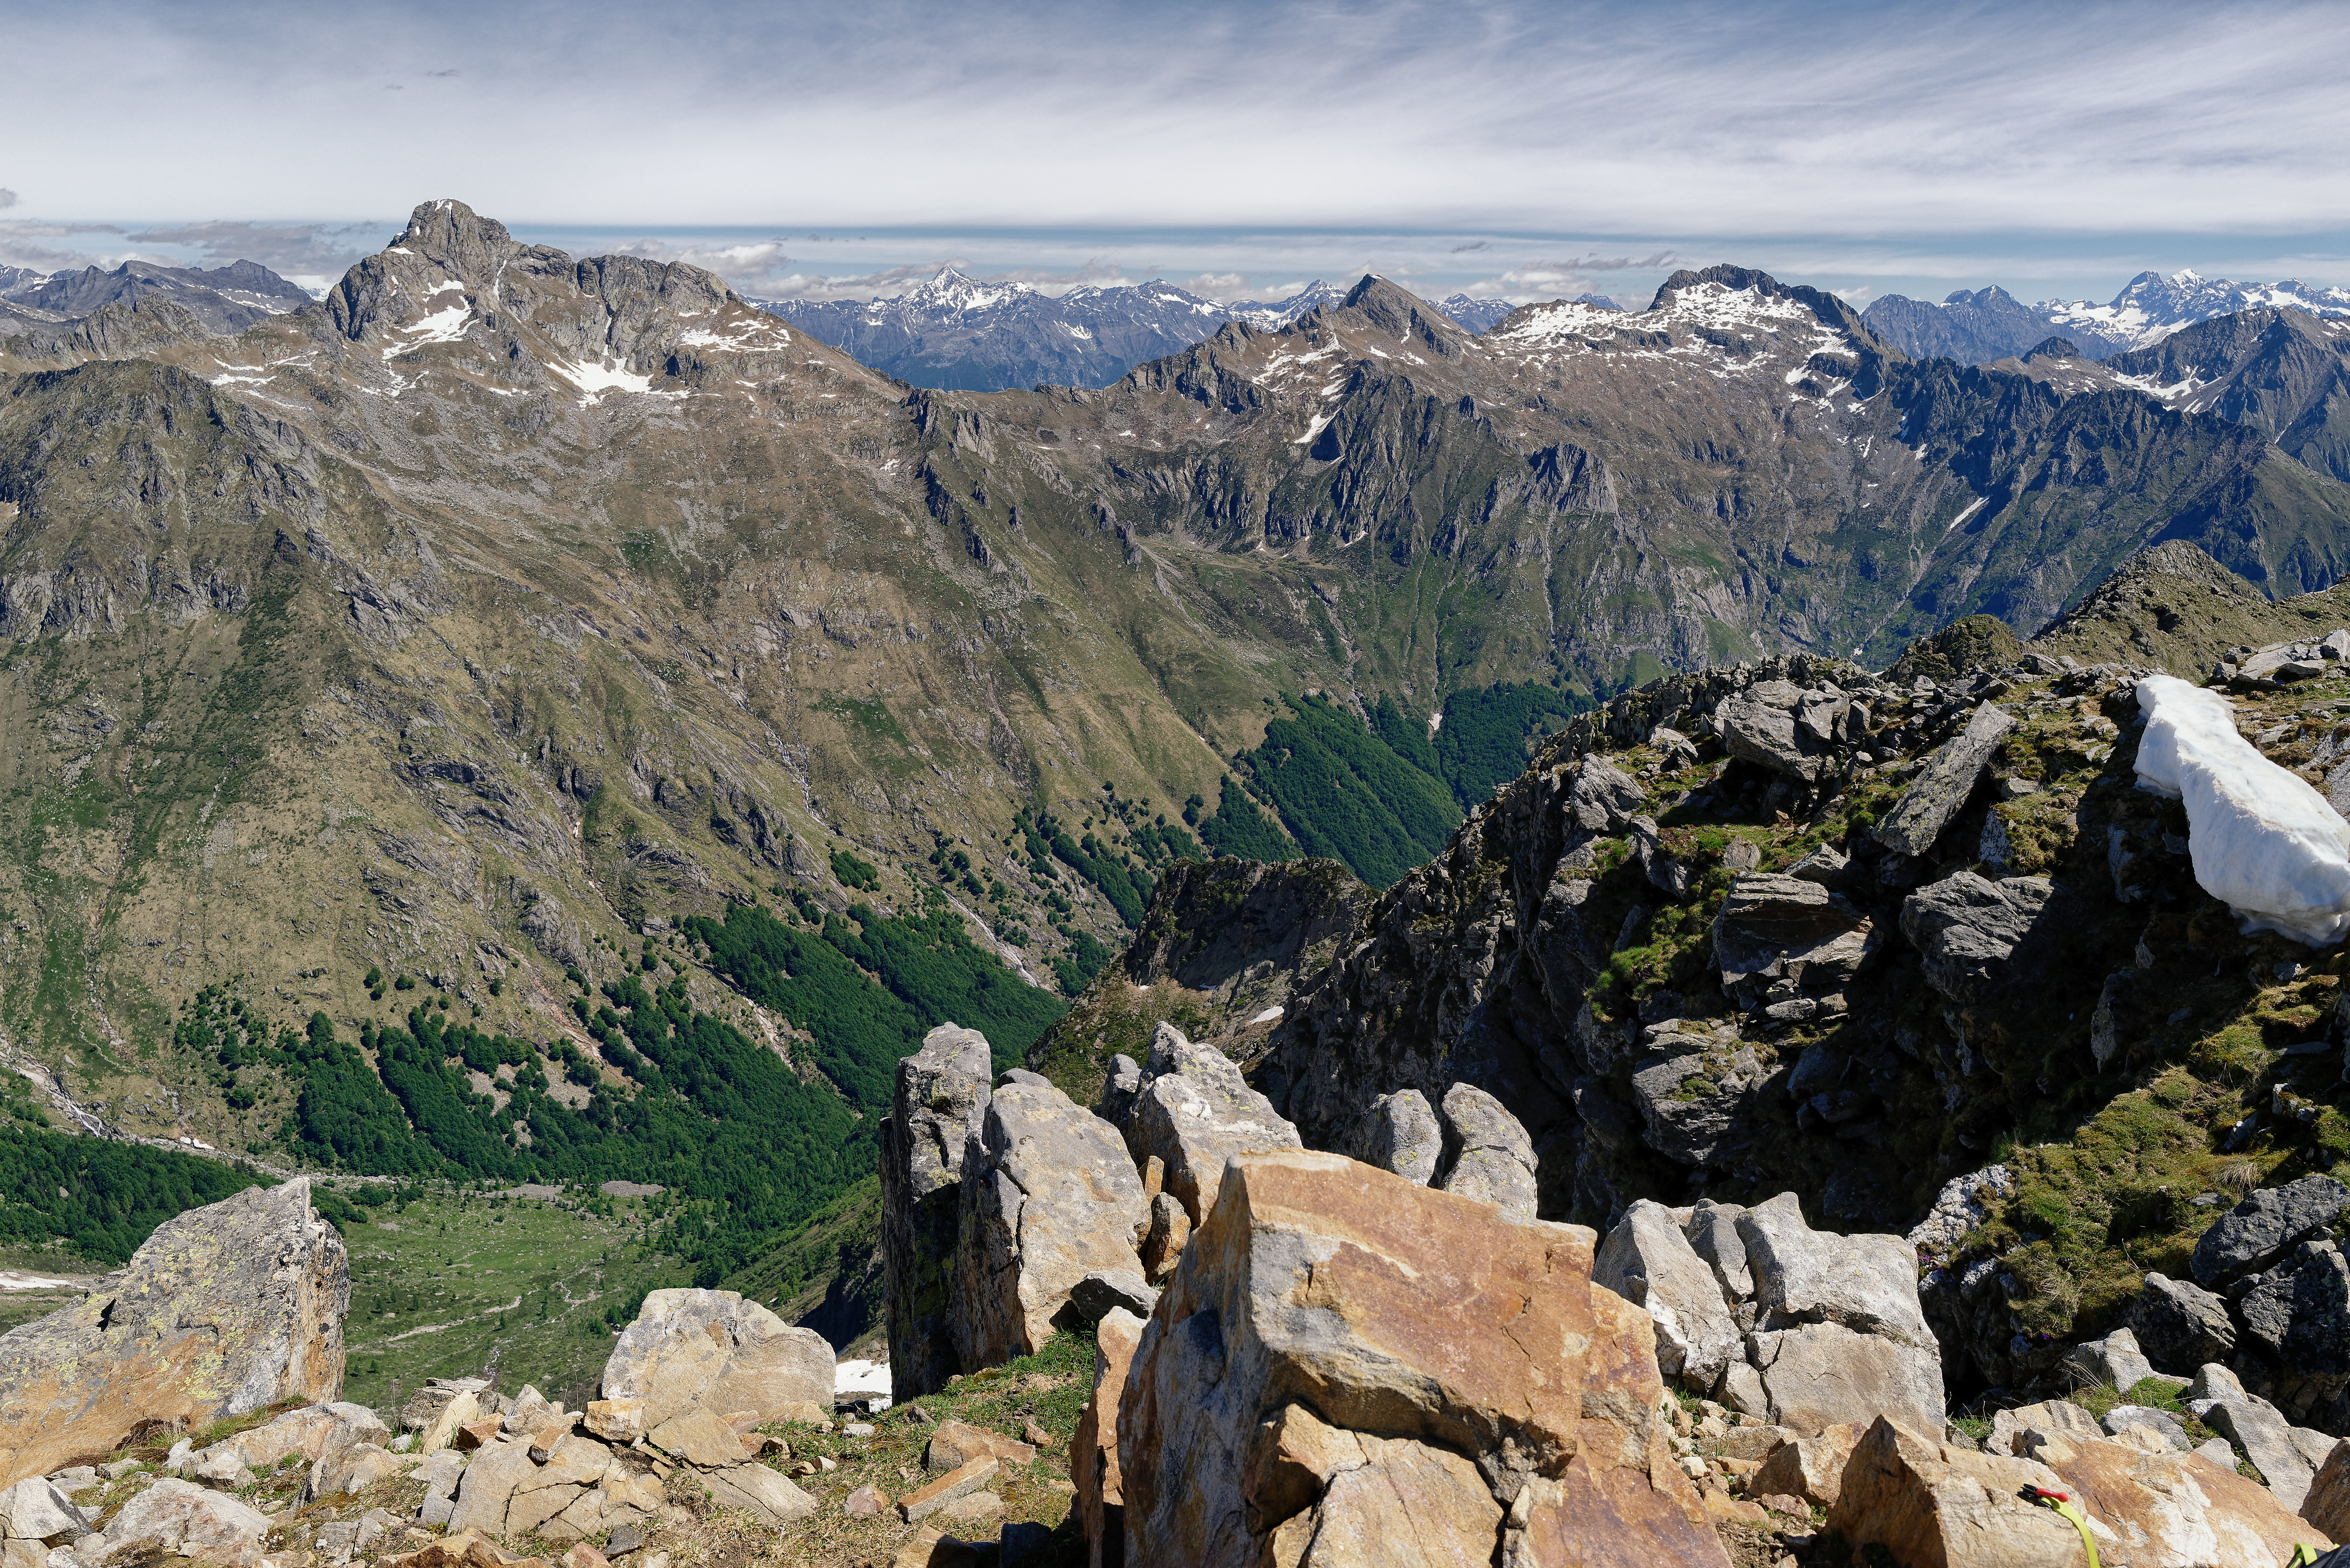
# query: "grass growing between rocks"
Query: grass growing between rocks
{"points": [[1049, 1388], [450, 1284]]}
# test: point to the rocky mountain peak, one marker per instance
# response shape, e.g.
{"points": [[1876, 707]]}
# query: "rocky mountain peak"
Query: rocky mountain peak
{"points": [[1404, 315], [452, 234]]}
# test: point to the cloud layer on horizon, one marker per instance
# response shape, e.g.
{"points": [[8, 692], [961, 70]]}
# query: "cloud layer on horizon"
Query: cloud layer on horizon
{"points": [[1868, 138]]}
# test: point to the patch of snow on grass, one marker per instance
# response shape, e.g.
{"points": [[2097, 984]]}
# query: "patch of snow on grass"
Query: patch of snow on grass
{"points": [[865, 1380], [2259, 836], [1969, 512], [595, 380]]}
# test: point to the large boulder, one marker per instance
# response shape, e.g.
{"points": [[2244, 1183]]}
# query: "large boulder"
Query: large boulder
{"points": [[1781, 727], [1400, 1313], [2296, 1333], [1487, 1154], [313, 1433], [1399, 1132], [1775, 932], [174, 1518], [1977, 937], [941, 1091], [1694, 1093], [1840, 1336], [37, 1514], [1930, 1506], [1195, 1112], [1941, 789], [2180, 1325], [2163, 1507], [2327, 1504], [1650, 1262], [224, 1309], [2218, 1399], [2264, 1227], [712, 1349], [1048, 1197]]}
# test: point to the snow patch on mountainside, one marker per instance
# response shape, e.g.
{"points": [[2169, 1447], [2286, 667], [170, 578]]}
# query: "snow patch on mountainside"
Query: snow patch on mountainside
{"points": [[2261, 839]]}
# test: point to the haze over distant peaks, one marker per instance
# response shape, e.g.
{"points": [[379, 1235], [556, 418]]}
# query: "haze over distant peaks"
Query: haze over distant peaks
{"points": [[1992, 323], [958, 333], [225, 299]]}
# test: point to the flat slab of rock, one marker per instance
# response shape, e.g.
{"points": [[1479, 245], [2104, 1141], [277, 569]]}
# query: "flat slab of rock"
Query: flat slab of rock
{"points": [[712, 1349], [224, 1309], [1941, 789], [2220, 1402], [954, 1444], [177, 1518], [1048, 1197], [960, 1482], [766, 1496], [700, 1437]]}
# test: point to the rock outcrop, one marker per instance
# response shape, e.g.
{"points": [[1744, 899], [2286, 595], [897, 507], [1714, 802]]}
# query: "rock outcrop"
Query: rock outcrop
{"points": [[224, 1309], [695, 1348], [1093, 1452], [941, 1093], [1776, 1320], [1049, 1196], [1927, 1503], [1192, 1113], [1338, 1338]]}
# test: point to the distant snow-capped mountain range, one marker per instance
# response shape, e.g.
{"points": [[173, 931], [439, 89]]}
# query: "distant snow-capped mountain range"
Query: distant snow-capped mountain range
{"points": [[955, 332], [1992, 323]]}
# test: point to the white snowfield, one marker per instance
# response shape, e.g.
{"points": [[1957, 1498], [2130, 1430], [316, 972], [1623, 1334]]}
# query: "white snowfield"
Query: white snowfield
{"points": [[862, 1380], [2260, 838]]}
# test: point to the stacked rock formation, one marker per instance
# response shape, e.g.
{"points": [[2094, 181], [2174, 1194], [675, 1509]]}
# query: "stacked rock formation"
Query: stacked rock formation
{"points": [[1777, 1321]]}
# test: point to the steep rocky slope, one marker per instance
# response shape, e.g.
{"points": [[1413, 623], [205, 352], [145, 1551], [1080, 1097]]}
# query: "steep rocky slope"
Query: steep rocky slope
{"points": [[475, 623], [1790, 926], [2280, 371]]}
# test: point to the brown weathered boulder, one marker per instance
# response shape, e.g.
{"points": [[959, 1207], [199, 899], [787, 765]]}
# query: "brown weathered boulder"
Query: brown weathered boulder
{"points": [[2170, 1510], [1048, 1196], [2327, 1506], [941, 1091], [1811, 1468], [1936, 1507], [224, 1309], [694, 1347], [961, 1481], [954, 1444], [1395, 1312], [1195, 1112], [1397, 1504], [1093, 1452]]}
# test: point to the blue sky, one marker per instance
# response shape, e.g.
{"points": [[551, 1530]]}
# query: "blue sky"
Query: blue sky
{"points": [[1517, 149]]}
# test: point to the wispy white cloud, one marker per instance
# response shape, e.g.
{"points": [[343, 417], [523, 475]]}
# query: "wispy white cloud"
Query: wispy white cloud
{"points": [[1846, 137]]}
